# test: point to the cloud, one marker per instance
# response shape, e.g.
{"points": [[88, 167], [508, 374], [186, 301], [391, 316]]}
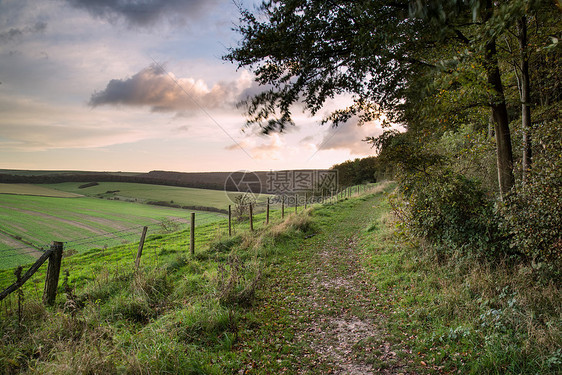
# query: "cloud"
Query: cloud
{"points": [[16, 33], [349, 136], [31, 125], [273, 149], [163, 92], [143, 12]]}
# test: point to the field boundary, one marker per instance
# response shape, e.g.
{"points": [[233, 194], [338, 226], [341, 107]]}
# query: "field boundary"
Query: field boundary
{"points": [[168, 225]]}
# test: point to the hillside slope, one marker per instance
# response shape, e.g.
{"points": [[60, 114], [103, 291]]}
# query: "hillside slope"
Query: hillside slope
{"points": [[331, 290]]}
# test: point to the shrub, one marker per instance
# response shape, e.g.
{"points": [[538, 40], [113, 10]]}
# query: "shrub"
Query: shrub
{"points": [[87, 185], [242, 204], [453, 213], [533, 214]]}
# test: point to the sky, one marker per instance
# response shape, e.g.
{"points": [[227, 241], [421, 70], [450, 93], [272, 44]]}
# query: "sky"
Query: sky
{"points": [[140, 85]]}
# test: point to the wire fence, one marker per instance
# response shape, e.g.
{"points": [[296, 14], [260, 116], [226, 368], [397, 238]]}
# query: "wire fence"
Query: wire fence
{"points": [[115, 252], [28, 251], [110, 252]]}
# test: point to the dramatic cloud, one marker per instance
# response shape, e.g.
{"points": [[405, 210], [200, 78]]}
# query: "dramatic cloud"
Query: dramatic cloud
{"points": [[143, 12], [15, 33], [349, 136], [164, 92]]}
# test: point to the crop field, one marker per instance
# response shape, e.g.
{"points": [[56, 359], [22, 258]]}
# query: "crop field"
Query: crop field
{"points": [[28, 189], [144, 193], [28, 223]]}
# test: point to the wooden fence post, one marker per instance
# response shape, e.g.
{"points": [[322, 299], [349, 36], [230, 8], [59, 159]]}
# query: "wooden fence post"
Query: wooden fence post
{"points": [[296, 203], [305, 199], [141, 245], [229, 220], [53, 272], [251, 218], [267, 213], [192, 235], [282, 206]]}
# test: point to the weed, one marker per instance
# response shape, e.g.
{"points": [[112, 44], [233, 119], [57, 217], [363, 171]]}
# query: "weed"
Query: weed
{"points": [[237, 282], [225, 244]]}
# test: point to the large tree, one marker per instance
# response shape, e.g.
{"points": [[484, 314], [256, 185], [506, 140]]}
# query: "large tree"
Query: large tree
{"points": [[307, 51], [387, 54]]}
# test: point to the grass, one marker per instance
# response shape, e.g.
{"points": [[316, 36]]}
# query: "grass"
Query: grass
{"points": [[463, 315], [177, 314], [83, 223], [247, 303], [145, 193]]}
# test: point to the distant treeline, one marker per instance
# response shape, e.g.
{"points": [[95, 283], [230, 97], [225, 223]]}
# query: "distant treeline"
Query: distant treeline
{"points": [[360, 171], [351, 172]]}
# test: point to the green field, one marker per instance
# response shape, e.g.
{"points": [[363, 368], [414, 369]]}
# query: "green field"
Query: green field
{"points": [[144, 193], [28, 189], [32, 216], [83, 223]]}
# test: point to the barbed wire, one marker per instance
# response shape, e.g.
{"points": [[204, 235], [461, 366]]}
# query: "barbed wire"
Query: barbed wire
{"points": [[206, 220], [19, 253], [120, 234], [123, 233]]}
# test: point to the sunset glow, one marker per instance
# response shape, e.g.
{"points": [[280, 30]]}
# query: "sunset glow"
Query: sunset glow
{"points": [[97, 85]]}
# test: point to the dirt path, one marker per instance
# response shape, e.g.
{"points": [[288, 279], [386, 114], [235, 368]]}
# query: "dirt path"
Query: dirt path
{"points": [[328, 315], [345, 325]]}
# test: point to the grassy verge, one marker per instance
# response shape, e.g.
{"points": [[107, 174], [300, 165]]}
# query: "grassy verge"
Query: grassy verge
{"points": [[462, 315]]}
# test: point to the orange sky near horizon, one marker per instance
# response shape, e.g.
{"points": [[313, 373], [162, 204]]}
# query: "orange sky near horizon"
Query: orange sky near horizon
{"points": [[91, 85]]}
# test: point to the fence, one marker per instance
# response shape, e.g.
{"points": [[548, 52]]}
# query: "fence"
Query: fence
{"points": [[57, 250]]}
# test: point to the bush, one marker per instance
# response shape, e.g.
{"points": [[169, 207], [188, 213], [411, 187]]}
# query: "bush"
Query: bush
{"points": [[533, 214], [452, 212]]}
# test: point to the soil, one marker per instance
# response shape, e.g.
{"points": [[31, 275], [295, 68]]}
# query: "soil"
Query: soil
{"points": [[344, 315], [327, 315]]}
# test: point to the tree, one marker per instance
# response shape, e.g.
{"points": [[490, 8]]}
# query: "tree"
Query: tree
{"points": [[359, 171], [391, 56], [310, 51]]}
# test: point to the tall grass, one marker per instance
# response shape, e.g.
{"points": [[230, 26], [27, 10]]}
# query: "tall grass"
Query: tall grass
{"points": [[176, 314], [465, 314]]}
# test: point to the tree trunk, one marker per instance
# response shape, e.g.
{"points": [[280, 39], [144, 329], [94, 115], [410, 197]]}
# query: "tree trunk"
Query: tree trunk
{"points": [[525, 98], [501, 122]]}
